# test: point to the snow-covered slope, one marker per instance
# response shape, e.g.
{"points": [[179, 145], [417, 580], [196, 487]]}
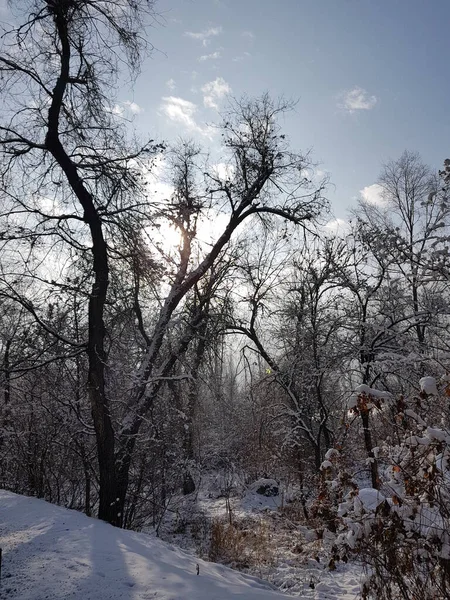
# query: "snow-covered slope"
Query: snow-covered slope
{"points": [[51, 553]]}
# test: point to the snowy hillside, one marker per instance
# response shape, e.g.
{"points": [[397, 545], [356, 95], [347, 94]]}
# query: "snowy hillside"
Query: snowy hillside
{"points": [[51, 553]]}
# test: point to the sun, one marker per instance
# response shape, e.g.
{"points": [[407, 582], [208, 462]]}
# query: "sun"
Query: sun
{"points": [[165, 238]]}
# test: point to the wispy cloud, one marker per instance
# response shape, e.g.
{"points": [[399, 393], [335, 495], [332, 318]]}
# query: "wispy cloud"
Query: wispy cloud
{"points": [[373, 194], [321, 174], [356, 99], [242, 56], [205, 35], [182, 112], [248, 34], [127, 107], [170, 83], [212, 56], [179, 111], [215, 90], [336, 226], [133, 107]]}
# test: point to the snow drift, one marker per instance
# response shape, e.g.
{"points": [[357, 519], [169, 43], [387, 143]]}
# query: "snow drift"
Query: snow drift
{"points": [[51, 553]]}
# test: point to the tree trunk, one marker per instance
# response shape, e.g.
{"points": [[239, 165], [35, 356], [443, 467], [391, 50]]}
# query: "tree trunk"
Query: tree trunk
{"points": [[108, 506], [6, 399], [369, 445], [192, 402], [108, 509]]}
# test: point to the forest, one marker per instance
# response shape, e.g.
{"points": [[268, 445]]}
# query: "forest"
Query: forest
{"points": [[150, 345]]}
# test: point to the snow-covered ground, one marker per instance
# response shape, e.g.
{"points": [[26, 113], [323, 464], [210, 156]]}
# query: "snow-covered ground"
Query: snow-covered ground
{"points": [[284, 557], [51, 553]]}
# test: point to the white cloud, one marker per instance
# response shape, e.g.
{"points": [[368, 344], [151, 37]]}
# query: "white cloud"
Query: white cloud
{"points": [[180, 111], [336, 226], [248, 34], [214, 91], [158, 180], [117, 110], [205, 35], [170, 83], [223, 171], [356, 99], [373, 194], [210, 227], [120, 109], [133, 107], [212, 56], [321, 174], [242, 56]]}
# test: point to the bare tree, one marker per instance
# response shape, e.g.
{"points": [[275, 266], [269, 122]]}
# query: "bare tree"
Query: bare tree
{"points": [[60, 140], [411, 220], [288, 317], [70, 175], [267, 182]]}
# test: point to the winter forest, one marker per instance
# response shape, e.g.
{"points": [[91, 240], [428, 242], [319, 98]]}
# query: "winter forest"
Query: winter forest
{"points": [[213, 365]]}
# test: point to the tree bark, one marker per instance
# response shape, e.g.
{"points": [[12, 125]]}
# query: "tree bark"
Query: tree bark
{"points": [[108, 506]]}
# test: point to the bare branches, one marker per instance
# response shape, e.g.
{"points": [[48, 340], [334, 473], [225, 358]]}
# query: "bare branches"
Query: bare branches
{"points": [[73, 176], [68, 166], [29, 307]]}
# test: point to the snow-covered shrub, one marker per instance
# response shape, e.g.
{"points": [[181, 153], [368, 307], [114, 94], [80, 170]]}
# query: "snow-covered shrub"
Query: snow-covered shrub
{"points": [[401, 530]]}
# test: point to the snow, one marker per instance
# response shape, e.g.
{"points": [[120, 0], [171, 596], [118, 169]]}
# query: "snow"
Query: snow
{"points": [[352, 402], [331, 453], [442, 464], [430, 520], [265, 482], [428, 386], [51, 553], [369, 392], [326, 465], [438, 434], [413, 415], [370, 498]]}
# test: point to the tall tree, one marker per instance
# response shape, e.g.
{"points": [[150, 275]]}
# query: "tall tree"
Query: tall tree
{"points": [[266, 183], [60, 140], [411, 219], [71, 178]]}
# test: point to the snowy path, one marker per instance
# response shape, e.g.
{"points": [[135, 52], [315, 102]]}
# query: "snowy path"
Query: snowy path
{"points": [[51, 553]]}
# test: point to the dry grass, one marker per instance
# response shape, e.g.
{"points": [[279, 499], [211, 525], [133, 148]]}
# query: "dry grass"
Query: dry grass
{"points": [[242, 544]]}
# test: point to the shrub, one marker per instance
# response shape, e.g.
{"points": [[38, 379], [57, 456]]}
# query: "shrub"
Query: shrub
{"points": [[401, 531], [240, 544]]}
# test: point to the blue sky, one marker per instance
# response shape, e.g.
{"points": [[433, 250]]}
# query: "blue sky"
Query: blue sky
{"points": [[370, 77]]}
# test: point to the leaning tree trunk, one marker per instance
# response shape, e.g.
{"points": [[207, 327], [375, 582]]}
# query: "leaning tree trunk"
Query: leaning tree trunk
{"points": [[108, 509]]}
